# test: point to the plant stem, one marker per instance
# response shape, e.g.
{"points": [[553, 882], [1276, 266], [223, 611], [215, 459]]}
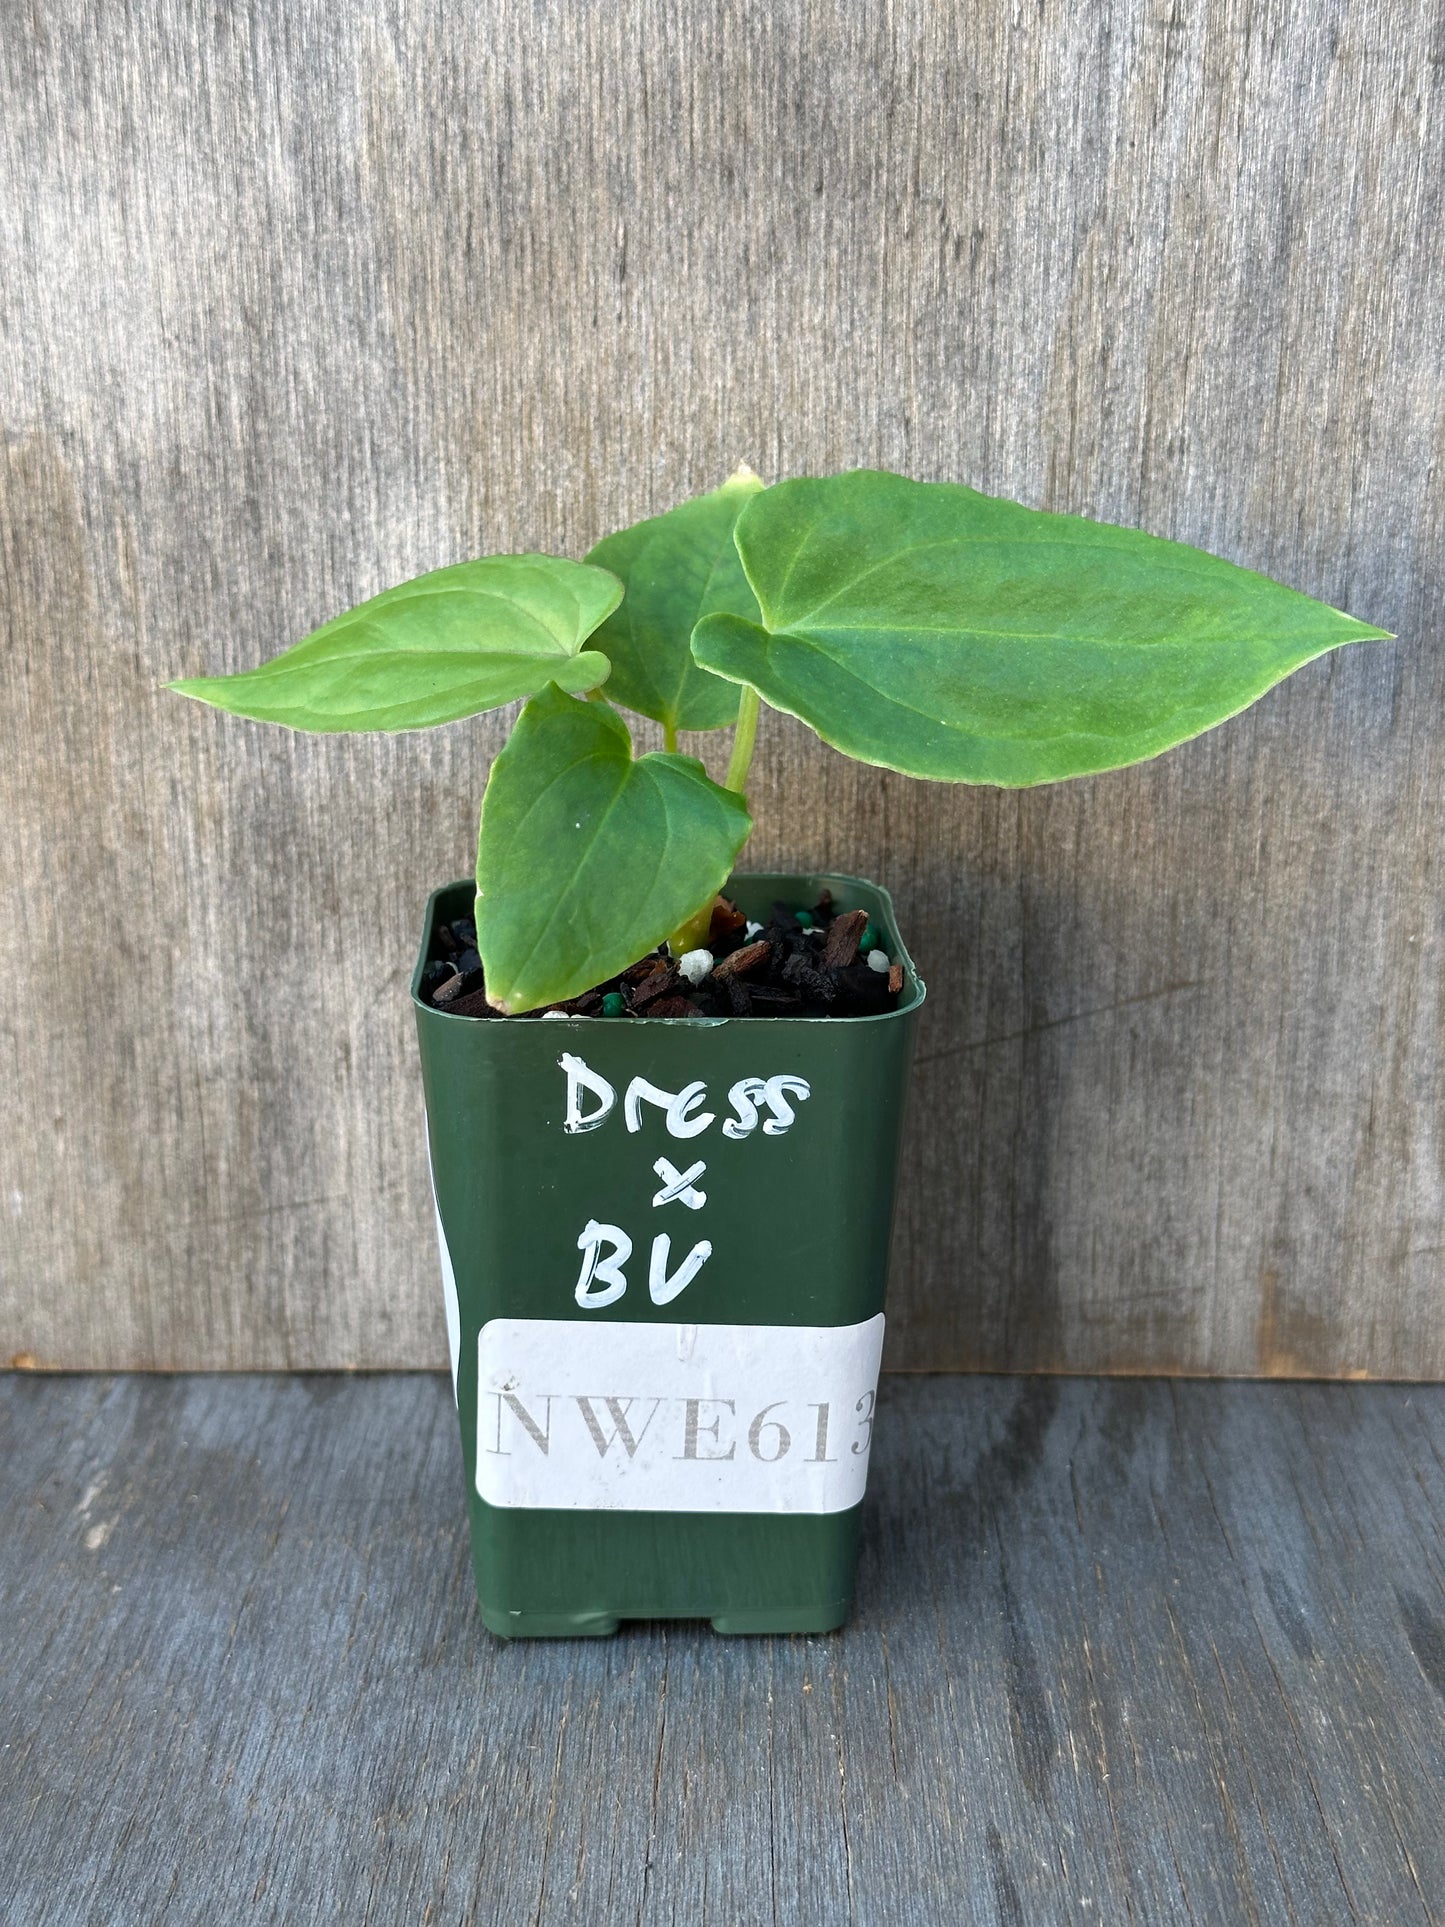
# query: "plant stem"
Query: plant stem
{"points": [[693, 934], [669, 737], [744, 736]]}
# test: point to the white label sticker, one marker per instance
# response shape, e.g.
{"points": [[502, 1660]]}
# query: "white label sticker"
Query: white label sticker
{"points": [[675, 1418]]}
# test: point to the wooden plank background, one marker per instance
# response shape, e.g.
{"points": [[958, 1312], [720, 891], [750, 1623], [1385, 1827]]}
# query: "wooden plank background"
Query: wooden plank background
{"points": [[296, 301]]}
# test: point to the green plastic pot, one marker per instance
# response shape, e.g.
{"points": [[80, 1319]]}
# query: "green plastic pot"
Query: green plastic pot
{"points": [[650, 1434]]}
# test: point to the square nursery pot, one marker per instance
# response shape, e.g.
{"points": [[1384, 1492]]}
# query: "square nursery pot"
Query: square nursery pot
{"points": [[650, 1434]]}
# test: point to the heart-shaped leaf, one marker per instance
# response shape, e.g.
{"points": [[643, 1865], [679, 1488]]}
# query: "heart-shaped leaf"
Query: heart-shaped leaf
{"points": [[947, 634], [446, 645], [677, 568], [586, 859]]}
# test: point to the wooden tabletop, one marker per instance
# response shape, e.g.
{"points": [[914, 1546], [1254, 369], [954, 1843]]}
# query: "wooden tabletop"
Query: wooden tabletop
{"points": [[1124, 1651]]}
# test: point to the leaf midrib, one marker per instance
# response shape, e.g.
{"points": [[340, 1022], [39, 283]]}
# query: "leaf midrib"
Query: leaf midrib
{"points": [[462, 654], [1177, 566], [509, 610], [810, 637]]}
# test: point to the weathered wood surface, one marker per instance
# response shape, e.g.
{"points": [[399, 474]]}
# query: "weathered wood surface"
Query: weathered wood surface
{"points": [[1123, 1651], [296, 301]]}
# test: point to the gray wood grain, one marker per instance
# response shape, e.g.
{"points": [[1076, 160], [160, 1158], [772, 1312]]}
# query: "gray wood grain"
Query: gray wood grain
{"points": [[1123, 1651], [297, 301]]}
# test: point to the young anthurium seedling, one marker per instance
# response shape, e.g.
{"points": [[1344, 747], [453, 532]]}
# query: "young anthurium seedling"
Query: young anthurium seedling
{"points": [[919, 626]]}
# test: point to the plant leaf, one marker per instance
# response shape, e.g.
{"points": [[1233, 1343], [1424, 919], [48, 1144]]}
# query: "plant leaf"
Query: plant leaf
{"points": [[678, 568], [587, 860], [930, 629], [446, 645]]}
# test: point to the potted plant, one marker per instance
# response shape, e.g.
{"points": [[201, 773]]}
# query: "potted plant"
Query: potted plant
{"points": [[664, 1100]]}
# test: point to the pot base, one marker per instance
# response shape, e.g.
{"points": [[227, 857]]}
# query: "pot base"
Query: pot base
{"points": [[582, 1625], [582, 1575]]}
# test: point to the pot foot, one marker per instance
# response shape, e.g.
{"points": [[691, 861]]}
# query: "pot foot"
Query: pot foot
{"points": [[816, 1619], [549, 1625]]}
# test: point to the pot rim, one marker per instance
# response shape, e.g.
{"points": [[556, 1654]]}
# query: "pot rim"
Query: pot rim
{"points": [[914, 988]]}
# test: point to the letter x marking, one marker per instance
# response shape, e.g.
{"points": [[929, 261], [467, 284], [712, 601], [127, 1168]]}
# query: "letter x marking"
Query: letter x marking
{"points": [[677, 1186]]}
